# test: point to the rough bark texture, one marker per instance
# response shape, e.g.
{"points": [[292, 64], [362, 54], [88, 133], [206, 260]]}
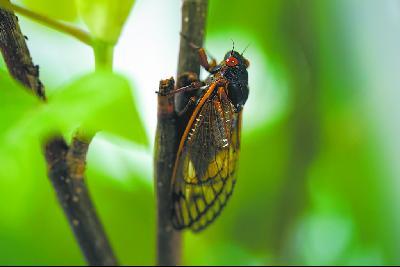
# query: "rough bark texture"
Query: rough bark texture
{"points": [[66, 167], [66, 164], [194, 14], [16, 54], [169, 240], [170, 127]]}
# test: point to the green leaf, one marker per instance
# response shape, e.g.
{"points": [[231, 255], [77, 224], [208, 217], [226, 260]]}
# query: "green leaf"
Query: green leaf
{"points": [[60, 9], [99, 101], [16, 146], [105, 18], [17, 103]]}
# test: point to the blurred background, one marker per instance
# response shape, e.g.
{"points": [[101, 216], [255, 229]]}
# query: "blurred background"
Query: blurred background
{"points": [[319, 173]]}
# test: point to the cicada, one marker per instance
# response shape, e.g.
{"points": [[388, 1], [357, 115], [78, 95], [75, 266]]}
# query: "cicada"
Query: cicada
{"points": [[205, 170]]}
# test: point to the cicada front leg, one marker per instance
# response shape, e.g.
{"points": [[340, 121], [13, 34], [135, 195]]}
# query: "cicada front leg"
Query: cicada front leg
{"points": [[207, 65], [191, 87], [204, 62]]}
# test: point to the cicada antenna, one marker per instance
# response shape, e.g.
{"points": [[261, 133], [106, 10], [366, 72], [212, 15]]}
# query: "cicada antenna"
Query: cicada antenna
{"points": [[245, 49], [233, 46]]}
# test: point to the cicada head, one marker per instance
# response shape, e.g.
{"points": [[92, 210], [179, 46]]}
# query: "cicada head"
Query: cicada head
{"points": [[235, 72]]}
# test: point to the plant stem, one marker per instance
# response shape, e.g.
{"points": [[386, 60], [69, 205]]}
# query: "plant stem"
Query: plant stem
{"points": [[104, 55], [170, 127], [71, 30], [66, 164]]}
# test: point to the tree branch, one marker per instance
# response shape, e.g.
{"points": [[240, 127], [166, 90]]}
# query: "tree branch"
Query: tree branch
{"points": [[16, 54], [170, 128], [194, 14], [166, 143], [66, 164]]}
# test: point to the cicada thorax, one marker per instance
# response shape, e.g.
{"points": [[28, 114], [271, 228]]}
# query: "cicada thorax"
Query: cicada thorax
{"points": [[237, 77], [233, 71]]}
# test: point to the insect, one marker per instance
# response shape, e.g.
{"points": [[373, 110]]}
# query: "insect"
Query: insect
{"points": [[204, 173]]}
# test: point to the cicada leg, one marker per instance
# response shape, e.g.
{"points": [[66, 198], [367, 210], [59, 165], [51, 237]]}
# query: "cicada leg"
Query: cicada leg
{"points": [[197, 85], [207, 65], [192, 102]]}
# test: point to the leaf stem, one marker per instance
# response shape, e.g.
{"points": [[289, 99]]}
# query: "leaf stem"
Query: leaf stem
{"points": [[103, 55], [71, 30]]}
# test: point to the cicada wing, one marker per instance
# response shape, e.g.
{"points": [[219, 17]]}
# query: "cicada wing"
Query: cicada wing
{"points": [[206, 167]]}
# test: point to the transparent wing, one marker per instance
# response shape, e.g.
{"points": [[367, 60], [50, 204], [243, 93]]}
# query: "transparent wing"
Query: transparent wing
{"points": [[206, 167]]}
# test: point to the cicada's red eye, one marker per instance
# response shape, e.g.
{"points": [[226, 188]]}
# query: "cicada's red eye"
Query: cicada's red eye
{"points": [[231, 61]]}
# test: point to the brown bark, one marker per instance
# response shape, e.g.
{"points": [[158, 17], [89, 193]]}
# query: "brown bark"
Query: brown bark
{"points": [[194, 14], [166, 143]]}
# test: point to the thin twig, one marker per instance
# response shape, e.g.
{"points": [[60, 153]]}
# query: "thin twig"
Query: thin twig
{"points": [[170, 127], [66, 164]]}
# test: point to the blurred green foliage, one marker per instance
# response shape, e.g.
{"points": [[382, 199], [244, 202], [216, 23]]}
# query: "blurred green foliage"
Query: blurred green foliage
{"points": [[311, 181], [105, 18], [310, 187], [60, 9], [86, 102]]}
